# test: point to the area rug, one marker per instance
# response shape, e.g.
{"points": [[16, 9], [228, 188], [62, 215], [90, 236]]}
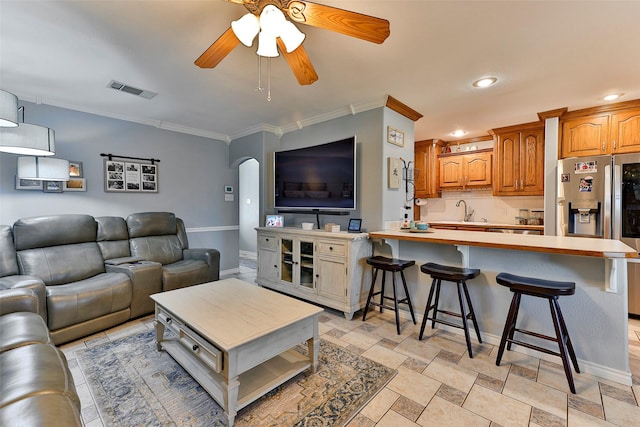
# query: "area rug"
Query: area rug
{"points": [[135, 385]]}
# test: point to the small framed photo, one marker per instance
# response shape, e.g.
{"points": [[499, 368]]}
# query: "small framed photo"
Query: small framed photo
{"points": [[75, 169], [274, 221], [28, 184], [395, 136], [53, 186], [75, 184]]}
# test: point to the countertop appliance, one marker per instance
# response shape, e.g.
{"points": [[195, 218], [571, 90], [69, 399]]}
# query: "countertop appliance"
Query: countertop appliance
{"points": [[599, 196]]}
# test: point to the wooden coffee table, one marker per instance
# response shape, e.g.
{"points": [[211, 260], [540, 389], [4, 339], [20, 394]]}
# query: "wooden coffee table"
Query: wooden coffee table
{"points": [[236, 339]]}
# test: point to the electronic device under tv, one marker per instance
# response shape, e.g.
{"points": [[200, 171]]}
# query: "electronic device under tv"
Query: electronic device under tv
{"points": [[321, 177]]}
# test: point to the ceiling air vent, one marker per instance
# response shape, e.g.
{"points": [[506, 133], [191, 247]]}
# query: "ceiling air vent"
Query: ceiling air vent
{"points": [[132, 90]]}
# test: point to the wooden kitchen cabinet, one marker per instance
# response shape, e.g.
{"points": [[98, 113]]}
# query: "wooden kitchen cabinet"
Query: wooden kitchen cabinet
{"points": [[465, 170], [612, 129], [426, 168], [519, 157]]}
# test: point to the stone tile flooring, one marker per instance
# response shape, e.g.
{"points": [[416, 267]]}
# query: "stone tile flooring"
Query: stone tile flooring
{"points": [[438, 385]]}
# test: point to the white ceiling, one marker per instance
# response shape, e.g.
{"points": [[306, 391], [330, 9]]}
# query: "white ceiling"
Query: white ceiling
{"points": [[546, 54]]}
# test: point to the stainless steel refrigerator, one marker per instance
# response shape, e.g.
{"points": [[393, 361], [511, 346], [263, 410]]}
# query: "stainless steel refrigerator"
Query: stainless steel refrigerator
{"points": [[599, 196]]}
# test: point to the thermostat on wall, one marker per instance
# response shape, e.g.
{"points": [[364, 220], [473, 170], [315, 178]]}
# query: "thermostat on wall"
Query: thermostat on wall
{"points": [[228, 189]]}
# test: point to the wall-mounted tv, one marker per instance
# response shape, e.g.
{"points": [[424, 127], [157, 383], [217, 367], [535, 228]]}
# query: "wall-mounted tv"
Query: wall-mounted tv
{"points": [[319, 177]]}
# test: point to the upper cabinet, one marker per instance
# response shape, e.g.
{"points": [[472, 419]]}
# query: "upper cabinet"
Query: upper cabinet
{"points": [[594, 132], [465, 170], [426, 168], [519, 155]]}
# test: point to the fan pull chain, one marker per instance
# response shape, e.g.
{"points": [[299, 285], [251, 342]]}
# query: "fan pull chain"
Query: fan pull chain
{"points": [[260, 88], [269, 79]]}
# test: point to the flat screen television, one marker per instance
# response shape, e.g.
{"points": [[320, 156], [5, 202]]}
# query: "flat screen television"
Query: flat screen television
{"points": [[319, 177]]}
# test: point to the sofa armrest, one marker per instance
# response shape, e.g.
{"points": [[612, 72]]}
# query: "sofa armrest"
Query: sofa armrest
{"points": [[19, 299], [210, 256], [21, 283]]}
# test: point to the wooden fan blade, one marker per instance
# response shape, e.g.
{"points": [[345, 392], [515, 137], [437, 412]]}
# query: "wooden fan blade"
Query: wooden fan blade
{"points": [[299, 63], [218, 50], [352, 24]]}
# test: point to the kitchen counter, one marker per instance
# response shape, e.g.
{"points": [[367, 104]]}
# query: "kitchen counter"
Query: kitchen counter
{"points": [[602, 248], [596, 315]]}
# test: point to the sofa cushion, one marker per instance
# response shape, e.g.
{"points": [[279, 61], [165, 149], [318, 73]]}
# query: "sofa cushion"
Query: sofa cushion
{"points": [[62, 264], [54, 230], [87, 299], [8, 261], [184, 273], [163, 249], [41, 410], [151, 224], [113, 237], [34, 369], [22, 328]]}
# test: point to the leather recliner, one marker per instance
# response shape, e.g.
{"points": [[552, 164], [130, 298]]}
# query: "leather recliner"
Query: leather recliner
{"points": [[161, 237], [81, 297]]}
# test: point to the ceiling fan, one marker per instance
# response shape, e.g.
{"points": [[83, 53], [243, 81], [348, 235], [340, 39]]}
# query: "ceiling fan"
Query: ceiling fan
{"points": [[352, 24]]}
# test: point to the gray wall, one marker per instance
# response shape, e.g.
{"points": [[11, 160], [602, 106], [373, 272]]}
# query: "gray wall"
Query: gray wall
{"points": [[192, 174]]}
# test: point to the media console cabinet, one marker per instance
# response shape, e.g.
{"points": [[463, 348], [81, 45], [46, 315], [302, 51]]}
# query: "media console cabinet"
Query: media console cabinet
{"points": [[323, 267]]}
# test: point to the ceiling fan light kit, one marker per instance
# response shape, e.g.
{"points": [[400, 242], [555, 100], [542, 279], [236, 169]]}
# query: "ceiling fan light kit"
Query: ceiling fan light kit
{"points": [[246, 28], [272, 27]]}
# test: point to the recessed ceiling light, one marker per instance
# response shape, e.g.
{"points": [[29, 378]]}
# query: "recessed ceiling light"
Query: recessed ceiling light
{"points": [[458, 133], [612, 97], [485, 82]]}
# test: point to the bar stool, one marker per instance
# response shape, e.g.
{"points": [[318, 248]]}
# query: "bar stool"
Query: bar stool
{"points": [[540, 288], [450, 274], [393, 265]]}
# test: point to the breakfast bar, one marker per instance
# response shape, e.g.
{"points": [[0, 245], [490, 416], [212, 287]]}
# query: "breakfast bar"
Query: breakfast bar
{"points": [[596, 315]]}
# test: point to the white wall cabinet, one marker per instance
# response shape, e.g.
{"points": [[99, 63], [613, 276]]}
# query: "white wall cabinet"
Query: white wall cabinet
{"points": [[326, 268]]}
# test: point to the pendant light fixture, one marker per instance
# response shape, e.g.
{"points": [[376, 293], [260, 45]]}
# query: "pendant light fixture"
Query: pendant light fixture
{"points": [[43, 168], [8, 109], [22, 138]]}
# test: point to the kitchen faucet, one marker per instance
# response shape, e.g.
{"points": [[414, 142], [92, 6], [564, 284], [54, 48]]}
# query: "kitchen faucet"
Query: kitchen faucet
{"points": [[467, 218]]}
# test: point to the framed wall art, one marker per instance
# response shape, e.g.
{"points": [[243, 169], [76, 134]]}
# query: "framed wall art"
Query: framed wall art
{"points": [[75, 184], [53, 186], [127, 176], [28, 184], [395, 136], [75, 169]]}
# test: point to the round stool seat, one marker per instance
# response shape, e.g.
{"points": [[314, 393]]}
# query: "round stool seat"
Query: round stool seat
{"points": [[445, 272], [536, 287], [389, 264]]}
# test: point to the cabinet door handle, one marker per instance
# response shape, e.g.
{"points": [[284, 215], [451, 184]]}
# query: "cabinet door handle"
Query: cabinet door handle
{"points": [[522, 184], [614, 145], [330, 248], [266, 240], [195, 347], [169, 320], [516, 184], [604, 144]]}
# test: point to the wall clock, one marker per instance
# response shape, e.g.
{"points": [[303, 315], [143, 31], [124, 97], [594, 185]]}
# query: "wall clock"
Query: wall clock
{"points": [[395, 136]]}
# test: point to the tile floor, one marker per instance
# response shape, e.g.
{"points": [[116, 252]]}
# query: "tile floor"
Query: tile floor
{"points": [[439, 385]]}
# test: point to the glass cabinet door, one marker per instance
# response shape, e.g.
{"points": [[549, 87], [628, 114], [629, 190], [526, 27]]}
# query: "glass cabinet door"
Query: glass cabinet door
{"points": [[286, 260], [306, 265]]}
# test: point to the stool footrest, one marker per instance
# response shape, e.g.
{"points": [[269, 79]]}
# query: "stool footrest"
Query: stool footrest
{"points": [[533, 347], [445, 322], [536, 334]]}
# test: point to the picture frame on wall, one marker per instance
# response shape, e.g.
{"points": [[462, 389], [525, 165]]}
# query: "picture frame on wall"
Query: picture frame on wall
{"points": [[28, 184], [75, 169], [130, 177], [395, 136], [75, 184], [53, 186]]}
